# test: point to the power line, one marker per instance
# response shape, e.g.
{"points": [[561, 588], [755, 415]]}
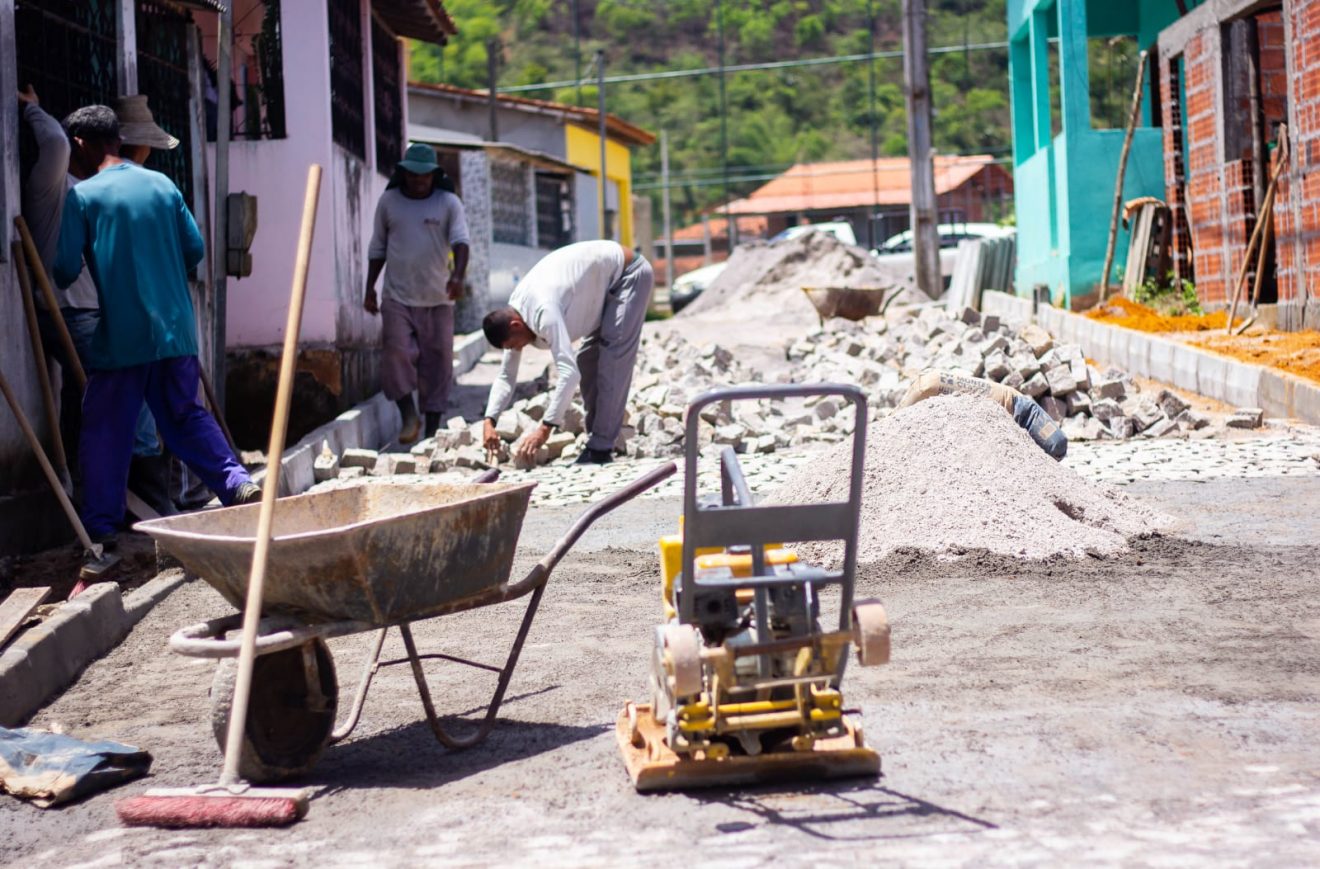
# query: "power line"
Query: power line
{"points": [[752, 67]]}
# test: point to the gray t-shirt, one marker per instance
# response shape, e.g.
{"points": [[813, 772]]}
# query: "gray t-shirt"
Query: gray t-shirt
{"points": [[414, 237], [44, 190]]}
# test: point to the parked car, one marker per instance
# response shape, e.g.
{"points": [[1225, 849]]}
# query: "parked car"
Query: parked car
{"points": [[840, 229], [689, 285], [950, 235]]}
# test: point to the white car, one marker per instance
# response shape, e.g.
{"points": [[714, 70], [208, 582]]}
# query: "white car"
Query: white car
{"points": [[950, 235], [689, 285]]}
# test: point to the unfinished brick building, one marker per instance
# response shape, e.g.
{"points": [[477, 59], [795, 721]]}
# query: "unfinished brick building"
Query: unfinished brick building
{"points": [[1233, 74]]}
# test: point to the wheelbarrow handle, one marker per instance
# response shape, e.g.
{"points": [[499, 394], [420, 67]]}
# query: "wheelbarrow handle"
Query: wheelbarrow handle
{"points": [[541, 571], [205, 639]]}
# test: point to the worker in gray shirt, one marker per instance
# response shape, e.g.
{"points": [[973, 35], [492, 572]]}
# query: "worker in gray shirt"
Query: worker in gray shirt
{"points": [[418, 224], [593, 291]]}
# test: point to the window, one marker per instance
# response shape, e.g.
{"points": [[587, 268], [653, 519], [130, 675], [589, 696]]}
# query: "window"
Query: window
{"points": [[554, 211], [259, 58], [66, 50], [508, 203], [389, 108], [346, 106], [162, 42]]}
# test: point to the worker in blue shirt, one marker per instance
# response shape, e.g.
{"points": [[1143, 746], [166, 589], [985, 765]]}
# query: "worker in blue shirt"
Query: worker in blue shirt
{"points": [[138, 239]]}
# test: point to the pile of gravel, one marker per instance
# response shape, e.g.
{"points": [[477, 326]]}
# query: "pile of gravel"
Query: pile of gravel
{"points": [[953, 475]]}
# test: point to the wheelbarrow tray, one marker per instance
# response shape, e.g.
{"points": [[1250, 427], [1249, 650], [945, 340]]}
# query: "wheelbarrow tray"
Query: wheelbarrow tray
{"points": [[850, 303], [380, 554]]}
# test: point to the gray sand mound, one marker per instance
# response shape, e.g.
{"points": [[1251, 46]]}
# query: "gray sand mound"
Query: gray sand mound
{"points": [[766, 278], [955, 474]]}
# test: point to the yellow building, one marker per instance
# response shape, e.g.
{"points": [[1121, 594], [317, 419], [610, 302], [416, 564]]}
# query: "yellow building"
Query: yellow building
{"points": [[568, 133]]}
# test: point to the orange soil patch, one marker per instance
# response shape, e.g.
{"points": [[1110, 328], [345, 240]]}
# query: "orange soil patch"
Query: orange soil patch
{"points": [[1124, 312], [1295, 352]]}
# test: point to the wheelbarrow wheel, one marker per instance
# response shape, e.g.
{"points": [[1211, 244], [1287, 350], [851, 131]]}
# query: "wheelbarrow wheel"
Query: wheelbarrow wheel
{"points": [[291, 713]]}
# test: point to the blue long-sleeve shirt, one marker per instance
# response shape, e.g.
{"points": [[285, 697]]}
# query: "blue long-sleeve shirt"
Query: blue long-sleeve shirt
{"points": [[139, 241]]}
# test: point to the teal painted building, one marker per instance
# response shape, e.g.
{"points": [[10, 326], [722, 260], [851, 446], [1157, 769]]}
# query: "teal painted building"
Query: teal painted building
{"points": [[1064, 168]]}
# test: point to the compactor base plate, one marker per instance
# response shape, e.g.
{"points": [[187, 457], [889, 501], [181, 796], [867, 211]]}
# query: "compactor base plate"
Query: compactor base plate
{"points": [[654, 767]]}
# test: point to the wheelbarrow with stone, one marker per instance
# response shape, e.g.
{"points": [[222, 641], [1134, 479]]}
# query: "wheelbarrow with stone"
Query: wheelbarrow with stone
{"points": [[362, 559]]}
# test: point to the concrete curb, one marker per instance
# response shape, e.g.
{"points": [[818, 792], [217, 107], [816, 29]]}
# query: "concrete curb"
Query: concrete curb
{"points": [[1241, 384], [44, 660], [367, 426], [468, 350]]}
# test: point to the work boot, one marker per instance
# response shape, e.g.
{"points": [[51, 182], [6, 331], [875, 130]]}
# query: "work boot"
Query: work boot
{"points": [[248, 493], [433, 420], [412, 424], [595, 457], [149, 479]]}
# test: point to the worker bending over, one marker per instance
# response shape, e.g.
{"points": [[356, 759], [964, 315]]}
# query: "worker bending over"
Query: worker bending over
{"points": [[593, 291], [139, 240], [1024, 410]]}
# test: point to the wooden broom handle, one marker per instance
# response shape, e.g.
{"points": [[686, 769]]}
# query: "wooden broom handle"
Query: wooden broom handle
{"points": [[270, 490], [52, 303]]}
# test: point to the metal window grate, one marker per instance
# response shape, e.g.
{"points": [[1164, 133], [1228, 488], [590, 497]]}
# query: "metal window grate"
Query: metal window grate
{"points": [[346, 78], [554, 211], [389, 105], [261, 84], [162, 40], [508, 203], [66, 50]]}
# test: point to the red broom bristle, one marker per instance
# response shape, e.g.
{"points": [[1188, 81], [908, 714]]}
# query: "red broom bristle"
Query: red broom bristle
{"points": [[203, 811]]}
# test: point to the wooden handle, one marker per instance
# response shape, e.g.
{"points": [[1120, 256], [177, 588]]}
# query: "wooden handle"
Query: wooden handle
{"points": [[46, 468], [1267, 208], [52, 303], [279, 424], [39, 359]]}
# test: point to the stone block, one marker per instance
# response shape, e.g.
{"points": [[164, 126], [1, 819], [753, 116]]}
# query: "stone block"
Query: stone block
{"points": [[1171, 404], [826, 408], [993, 344], [1055, 407], [410, 464], [997, 367], [1111, 389], [1060, 381], [1106, 409], [1190, 420], [352, 473], [326, 466], [1160, 428], [1246, 417], [1078, 403], [358, 458], [1036, 386], [1122, 427], [1037, 339], [384, 466], [970, 316], [989, 323], [1080, 372], [1145, 414], [1014, 381]]}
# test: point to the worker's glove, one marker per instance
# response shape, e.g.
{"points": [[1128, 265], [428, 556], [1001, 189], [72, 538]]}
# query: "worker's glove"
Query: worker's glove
{"points": [[1042, 429]]}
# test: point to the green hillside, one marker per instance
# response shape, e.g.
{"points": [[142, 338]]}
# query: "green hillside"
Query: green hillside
{"points": [[775, 117]]}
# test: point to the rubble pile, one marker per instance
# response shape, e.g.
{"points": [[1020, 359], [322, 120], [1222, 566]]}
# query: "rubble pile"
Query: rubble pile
{"points": [[766, 278], [884, 355]]}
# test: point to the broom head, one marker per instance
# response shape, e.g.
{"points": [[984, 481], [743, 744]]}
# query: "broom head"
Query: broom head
{"points": [[214, 806]]}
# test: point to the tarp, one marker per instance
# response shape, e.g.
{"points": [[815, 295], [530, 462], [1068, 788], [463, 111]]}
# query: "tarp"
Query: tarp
{"points": [[51, 768]]}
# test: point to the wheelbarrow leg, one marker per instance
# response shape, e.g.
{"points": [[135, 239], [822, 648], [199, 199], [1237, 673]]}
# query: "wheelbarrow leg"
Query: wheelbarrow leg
{"points": [[369, 668], [446, 739]]}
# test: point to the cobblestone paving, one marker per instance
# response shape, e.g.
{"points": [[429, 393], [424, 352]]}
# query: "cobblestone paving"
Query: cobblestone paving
{"points": [[1273, 452]]}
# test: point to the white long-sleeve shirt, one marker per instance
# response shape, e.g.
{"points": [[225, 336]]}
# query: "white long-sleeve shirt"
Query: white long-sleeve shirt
{"points": [[561, 299]]}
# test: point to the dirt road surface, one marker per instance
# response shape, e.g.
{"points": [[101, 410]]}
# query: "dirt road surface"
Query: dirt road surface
{"points": [[1158, 708]]}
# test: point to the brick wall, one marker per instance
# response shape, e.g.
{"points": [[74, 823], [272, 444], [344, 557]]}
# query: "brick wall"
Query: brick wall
{"points": [[1297, 213], [1210, 186]]}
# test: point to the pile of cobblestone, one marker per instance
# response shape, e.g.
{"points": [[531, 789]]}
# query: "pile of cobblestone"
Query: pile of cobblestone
{"points": [[884, 355]]}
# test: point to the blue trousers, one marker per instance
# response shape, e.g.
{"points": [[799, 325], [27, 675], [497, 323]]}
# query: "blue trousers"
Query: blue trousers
{"points": [[110, 412]]}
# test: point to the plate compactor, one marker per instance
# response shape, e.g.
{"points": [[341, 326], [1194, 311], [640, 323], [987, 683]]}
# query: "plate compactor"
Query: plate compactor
{"points": [[744, 679]]}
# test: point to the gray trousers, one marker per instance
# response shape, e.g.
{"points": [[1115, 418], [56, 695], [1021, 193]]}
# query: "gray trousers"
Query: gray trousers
{"points": [[418, 353], [608, 355]]}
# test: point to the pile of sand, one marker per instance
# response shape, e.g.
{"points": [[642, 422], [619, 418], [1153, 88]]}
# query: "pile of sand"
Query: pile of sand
{"points": [[956, 474], [763, 278]]}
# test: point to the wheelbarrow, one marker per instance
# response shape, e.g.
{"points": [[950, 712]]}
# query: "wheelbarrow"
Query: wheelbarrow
{"points": [[353, 560], [850, 303]]}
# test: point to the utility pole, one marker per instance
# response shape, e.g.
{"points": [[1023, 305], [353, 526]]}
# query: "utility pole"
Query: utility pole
{"points": [[577, 52], [220, 254], [921, 156], [871, 240], [492, 75], [600, 106], [730, 231], [669, 229]]}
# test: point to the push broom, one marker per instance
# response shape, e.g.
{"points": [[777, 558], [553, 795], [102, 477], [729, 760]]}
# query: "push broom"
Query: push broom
{"points": [[232, 802]]}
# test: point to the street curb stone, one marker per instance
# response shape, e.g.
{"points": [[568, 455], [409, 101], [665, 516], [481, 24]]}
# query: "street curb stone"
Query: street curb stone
{"points": [[45, 659]]}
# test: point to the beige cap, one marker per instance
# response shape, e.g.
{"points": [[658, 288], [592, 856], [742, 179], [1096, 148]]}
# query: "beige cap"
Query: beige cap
{"points": [[138, 127]]}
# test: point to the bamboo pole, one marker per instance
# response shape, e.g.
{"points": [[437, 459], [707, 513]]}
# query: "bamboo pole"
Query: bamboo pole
{"points": [[39, 359], [1133, 116], [1266, 208]]}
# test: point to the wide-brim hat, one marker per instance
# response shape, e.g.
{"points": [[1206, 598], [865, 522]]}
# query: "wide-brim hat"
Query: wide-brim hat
{"points": [[419, 159], [137, 126]]}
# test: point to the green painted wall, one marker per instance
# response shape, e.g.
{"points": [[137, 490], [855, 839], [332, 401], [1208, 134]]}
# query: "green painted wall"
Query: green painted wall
{"points": [[1065, 184]]}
